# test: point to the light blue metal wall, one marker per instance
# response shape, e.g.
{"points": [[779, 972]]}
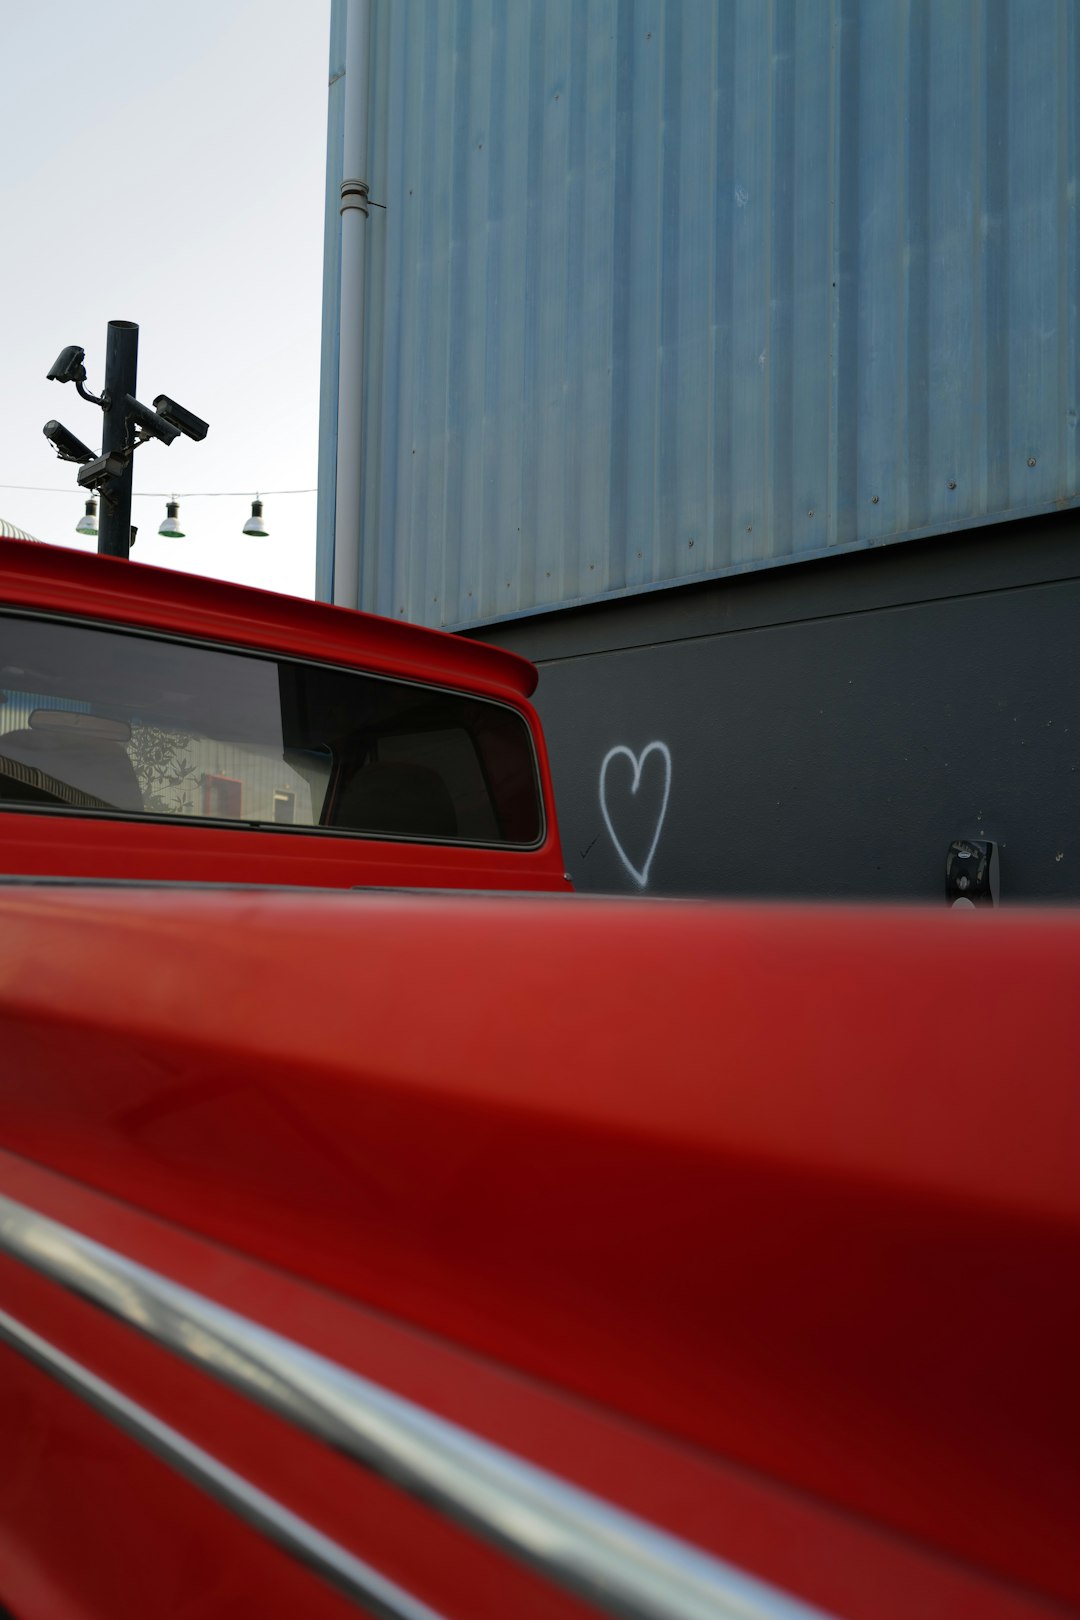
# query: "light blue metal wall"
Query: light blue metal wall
{"points": [[664, 289]]}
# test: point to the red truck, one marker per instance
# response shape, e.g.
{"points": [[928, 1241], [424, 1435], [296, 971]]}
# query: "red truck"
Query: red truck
{"points": [[371, 1239], [183, 730]]}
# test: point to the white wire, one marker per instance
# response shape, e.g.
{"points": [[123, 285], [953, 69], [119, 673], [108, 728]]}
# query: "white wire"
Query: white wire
{"points": [[170, 495]]}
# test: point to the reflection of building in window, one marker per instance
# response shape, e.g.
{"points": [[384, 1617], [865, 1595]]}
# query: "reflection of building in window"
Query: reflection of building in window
{"points": [[221, 797], [228, 737]]}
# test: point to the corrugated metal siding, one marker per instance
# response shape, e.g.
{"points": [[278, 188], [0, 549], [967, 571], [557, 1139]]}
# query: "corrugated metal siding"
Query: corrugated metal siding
{"points": [[664, 290]]}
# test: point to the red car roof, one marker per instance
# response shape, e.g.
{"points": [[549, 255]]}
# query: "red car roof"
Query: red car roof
{"points": [[114, 591]]}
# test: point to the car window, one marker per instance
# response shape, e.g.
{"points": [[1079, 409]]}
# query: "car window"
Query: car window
{"points": [[96, 719]]}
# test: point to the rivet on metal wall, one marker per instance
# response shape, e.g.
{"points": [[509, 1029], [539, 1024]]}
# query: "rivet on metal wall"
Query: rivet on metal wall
{"points": [[1031, 461], [811, 512], [749, 528], [874, 500], [952, 483]]}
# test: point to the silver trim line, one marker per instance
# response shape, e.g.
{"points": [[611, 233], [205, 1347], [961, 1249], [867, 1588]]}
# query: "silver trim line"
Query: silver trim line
{"points": [[611, 1558], [292, 1534]]}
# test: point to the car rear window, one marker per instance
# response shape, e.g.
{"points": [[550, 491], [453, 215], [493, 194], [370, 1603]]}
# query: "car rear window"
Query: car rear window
{"points": [[101, 720]]}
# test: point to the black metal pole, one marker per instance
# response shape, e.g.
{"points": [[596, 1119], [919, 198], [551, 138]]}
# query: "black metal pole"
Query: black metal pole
{"points": [[121, 363]]}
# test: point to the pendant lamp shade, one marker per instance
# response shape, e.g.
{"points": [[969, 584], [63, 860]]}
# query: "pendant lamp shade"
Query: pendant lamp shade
{"points": [[255, 524], [170, 523], [87, 524]]}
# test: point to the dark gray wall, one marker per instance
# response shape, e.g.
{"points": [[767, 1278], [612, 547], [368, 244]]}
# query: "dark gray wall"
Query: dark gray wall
{"points": [[825, 729]]}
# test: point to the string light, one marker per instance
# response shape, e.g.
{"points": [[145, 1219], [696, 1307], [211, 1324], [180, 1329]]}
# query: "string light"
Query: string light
{"points": [[255, 524], [170, 523], [87, 524]]}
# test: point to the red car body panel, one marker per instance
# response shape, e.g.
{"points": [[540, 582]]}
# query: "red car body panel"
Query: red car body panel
{"points": [[703, 1206], [106, 590], [759, 1224]]}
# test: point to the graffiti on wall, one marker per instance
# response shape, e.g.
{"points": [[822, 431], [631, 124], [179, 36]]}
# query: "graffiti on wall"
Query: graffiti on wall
{"points": [[614, 801]]}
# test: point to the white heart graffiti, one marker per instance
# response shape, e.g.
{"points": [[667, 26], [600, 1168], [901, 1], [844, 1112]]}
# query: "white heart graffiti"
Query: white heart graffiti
{"points": [[639, 874]]}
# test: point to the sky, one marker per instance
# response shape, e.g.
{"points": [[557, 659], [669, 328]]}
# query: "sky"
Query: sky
{"points": [[165, 164]]}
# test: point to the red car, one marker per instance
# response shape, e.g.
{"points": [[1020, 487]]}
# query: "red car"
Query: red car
{"points": [[186, 730], [486, 1255]]}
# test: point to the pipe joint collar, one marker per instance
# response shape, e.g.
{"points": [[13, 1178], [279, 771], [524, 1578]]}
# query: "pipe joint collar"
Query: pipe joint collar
{"points": [[354, 194]]}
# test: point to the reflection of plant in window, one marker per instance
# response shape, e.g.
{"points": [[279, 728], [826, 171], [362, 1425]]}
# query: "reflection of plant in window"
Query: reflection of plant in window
{"points": [[167, 779]]}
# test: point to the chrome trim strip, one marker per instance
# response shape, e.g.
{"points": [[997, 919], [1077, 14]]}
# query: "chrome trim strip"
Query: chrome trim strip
{"points": [[351, 1576], [611, 1558]]}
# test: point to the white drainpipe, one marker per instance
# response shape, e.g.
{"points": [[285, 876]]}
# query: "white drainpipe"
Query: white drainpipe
{"points": [[354, 214]]}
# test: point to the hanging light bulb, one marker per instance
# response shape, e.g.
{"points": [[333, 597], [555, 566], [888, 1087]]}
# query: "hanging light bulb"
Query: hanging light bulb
{"points": [[170, 523], [255, 524], [87, 524]]}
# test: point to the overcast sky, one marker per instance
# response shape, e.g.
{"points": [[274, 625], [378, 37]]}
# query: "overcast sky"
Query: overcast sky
{"points": [[166, 164]]}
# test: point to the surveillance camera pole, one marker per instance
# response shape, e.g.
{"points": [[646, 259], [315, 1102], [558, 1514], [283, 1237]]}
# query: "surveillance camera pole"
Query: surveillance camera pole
{"points": [[118, 436], [128, 423]]}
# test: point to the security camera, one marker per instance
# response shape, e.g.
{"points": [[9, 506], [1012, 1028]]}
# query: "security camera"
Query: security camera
{"points": [[68, 365], [186, 421], [98, 472], [66, 445], [150, 421]]}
